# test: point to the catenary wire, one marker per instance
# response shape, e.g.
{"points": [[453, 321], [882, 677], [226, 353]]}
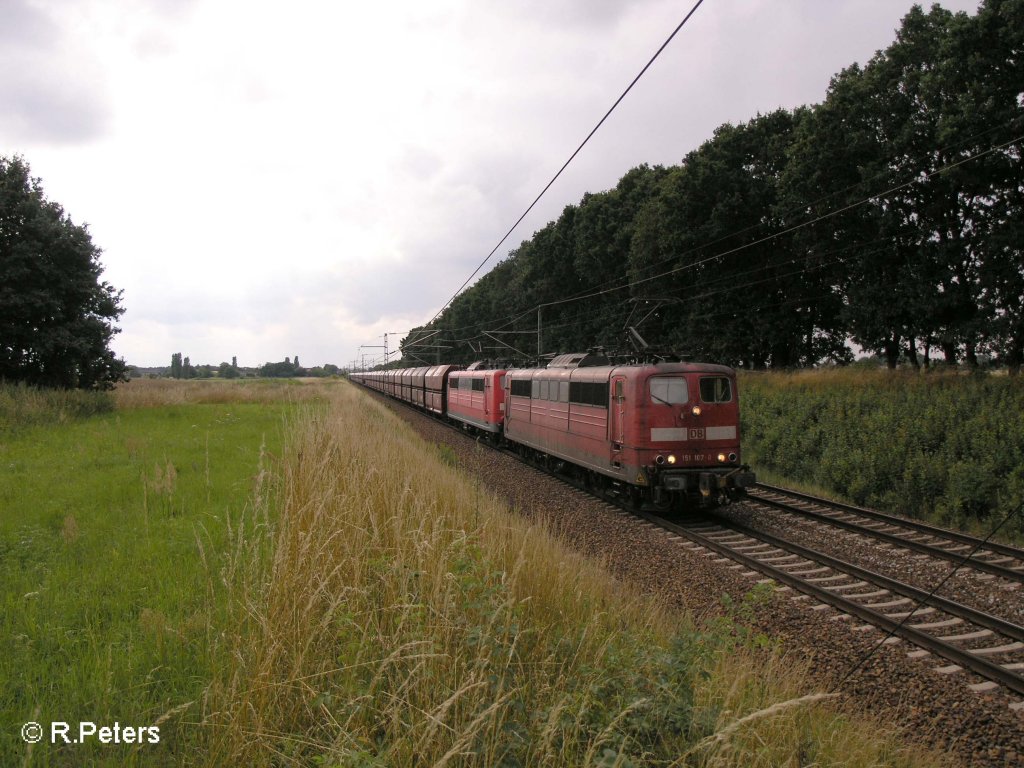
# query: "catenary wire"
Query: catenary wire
{"points": [[571, 157]]}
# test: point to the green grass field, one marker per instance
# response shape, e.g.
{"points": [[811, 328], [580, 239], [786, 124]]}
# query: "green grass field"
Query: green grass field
{"points": [[105, 595]]}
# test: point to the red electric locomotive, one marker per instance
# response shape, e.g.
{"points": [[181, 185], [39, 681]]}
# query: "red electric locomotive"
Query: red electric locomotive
{"points": [[476, 398], [658, 432]]}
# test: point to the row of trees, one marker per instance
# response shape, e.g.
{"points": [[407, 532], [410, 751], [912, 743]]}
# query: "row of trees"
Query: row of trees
{"points": [[891, 214], [182, 368], [288, 368]]}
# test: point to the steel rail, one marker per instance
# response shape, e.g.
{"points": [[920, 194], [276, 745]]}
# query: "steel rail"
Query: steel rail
{"points": [[928, 549], [933, 530], [923, 597], [987, 669]]}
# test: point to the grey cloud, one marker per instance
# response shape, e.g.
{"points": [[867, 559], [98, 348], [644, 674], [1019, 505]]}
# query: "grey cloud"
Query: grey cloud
{"points": [[376, 291], [24, 25], [179, 307], [49, 95], [173, 8], [420, 163], [591, 13], [39, 107], [576, 15]]}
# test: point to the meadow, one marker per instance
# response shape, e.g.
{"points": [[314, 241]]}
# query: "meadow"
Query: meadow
{"points": [[110, 502], [941, 446], [287, 575]]}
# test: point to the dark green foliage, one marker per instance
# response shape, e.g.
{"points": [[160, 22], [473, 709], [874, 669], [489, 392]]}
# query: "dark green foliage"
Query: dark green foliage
{"points": [[944, 447], [712, 238], [56, 316], [229, 370], [285, 369], [891, 214]]}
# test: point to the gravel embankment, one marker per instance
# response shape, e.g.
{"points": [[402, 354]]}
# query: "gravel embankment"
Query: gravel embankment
{"points": [[938, 710]]}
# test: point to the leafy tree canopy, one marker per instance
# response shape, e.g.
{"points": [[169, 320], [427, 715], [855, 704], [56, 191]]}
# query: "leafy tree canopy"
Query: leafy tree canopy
{"points": [[56, 315]]}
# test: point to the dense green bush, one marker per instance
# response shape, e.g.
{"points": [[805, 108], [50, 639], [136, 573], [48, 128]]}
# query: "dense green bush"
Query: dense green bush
{"points": [[941, 446]]}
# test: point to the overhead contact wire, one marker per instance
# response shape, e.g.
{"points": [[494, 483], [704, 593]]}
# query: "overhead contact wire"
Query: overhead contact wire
{"points": [[571, 158]]}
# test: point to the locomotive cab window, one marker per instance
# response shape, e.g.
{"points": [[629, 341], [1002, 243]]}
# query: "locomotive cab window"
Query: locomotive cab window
{"points": [[667, 390], [715, 389]]}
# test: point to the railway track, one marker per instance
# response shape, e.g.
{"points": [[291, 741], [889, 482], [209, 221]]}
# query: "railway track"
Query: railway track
{"points": [[965, 551], [966, 638], [963, 637]]}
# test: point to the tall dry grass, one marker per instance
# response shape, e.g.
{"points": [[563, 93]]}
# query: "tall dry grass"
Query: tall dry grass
{"points": [[153, 393], [25, 406], [385, 611]]}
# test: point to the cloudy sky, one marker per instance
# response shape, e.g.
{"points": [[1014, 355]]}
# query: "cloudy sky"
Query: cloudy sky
{"points": [[272, 179]]}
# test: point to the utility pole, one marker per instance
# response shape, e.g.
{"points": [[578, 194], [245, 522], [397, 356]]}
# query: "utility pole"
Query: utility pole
{"points": [[370, 346], [386, 354], [540, 307]]}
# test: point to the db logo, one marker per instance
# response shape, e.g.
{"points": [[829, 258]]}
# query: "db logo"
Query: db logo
{"points": [[697, 434]]}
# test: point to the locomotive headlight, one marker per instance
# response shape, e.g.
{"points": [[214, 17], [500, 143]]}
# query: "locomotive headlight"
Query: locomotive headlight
{"points": [[696, 410], [659, 459], [721, 457], [671, 458]]}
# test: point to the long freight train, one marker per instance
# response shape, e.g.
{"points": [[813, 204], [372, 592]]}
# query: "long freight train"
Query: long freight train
{"points": [[658, 433]]}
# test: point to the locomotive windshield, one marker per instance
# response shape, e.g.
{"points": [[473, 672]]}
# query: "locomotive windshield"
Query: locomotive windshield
{"points": [[669, 391], [715, 389]]}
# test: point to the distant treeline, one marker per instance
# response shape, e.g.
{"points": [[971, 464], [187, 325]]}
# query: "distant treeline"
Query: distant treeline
{"points": [[891, 214], [182, 368]]}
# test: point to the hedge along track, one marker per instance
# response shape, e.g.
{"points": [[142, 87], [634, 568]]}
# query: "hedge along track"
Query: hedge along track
{"points": [[897, 608], [997, 559]]}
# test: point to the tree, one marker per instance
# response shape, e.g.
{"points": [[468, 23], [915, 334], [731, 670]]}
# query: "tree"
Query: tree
{"points": [[991, 107], [745, 295], [278, 370], [56, 316]]}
